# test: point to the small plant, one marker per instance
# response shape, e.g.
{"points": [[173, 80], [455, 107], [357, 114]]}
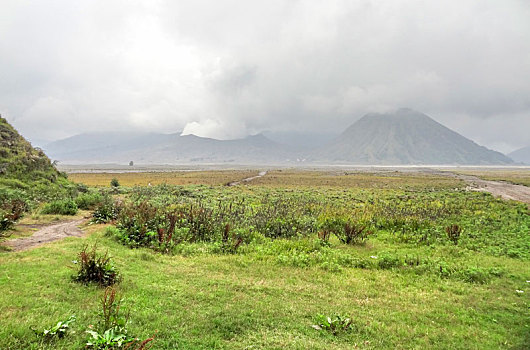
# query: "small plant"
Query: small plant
{"points": [[230, 243], [453, 232], [323, 236], [110, 305], [111, 339], [95, 268], [114, 183], [58, 331], [335, 325], [165, 237], [112, 332]]}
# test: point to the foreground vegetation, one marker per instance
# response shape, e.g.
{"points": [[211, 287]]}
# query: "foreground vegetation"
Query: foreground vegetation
{"points": [[394, 261]]}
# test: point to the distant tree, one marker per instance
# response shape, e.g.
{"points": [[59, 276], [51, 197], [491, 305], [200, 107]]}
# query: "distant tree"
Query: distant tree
{"points": [[131, 163], [114, 182]]}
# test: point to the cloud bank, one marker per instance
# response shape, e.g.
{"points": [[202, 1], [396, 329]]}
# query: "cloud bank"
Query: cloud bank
{"points": [[226, 69]]}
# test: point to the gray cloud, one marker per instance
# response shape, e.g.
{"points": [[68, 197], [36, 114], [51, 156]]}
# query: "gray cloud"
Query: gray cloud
{"points": [[231, 68]]}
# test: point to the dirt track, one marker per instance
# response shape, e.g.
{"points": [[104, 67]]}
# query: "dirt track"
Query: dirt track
{"points": [[47, 234], [497, 188], [248, 179]]}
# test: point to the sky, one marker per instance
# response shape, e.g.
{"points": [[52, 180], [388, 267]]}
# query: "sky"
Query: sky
{"points": [[226, 69]]}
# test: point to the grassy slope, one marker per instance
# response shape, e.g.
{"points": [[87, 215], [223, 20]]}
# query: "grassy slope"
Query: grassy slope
{"points": [[19, 160], [207, 301]]}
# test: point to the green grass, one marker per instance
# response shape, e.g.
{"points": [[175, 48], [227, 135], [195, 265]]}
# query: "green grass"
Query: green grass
{"points": [[401, 292], [234, 302]]}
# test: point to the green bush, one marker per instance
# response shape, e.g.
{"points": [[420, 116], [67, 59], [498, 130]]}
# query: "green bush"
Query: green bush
{"points": [[95, 268], [61, 207], [88, 201], [106, 210], [10, 212], [114, 183]]}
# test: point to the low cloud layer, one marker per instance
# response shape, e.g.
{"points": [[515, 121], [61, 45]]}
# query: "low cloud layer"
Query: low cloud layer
{"points": [[226, 69]]}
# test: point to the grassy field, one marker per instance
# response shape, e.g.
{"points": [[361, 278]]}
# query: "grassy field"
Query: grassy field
{"points": [[407, 286], [219, 177]]}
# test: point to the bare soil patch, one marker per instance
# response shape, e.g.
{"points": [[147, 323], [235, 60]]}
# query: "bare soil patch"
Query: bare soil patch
{"points": [[47, 234], [501, 189]]}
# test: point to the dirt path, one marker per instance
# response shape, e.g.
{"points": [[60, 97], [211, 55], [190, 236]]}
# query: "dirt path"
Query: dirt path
{"points": [[248, 179], [497, 188], [47, 234]]}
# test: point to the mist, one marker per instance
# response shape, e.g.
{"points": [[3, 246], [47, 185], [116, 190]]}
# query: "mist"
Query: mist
{"points": [[231, 69]]}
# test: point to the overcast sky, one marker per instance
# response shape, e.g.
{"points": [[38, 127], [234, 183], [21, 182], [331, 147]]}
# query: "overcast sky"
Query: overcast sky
{"points": [[227, 69]]}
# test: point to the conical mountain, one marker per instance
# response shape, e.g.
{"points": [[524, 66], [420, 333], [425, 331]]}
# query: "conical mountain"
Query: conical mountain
{"points": [[20, 161], [405, 137]]}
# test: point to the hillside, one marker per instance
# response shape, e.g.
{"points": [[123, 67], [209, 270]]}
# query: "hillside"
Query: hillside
{"points": [[405, 137], [521, 155], [20, 161]]}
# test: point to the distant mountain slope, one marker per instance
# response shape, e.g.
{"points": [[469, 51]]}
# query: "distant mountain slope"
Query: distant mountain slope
{"points": [[20, 161], [405, 137], [164, 149], [522, 155], [399, 138], [103, 146]]}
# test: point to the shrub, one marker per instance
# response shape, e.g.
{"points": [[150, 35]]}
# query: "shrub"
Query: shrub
{"points": [[386, 262], [106, 210], [114, 183], [10, 212], [139, 224], [95, 268], [82, 188], [87, 201], [61, 207], [353, 234]]}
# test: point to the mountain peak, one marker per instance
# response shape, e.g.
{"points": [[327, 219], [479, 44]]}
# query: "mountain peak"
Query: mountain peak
{"points": [[406, 136], [398, 114]]}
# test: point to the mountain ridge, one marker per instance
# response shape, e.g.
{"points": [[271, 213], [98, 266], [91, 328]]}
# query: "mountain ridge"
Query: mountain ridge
{"points": [[402, 137]]}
